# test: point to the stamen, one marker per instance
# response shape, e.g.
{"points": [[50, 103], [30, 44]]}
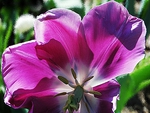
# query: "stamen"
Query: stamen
{"points": [[60, 94], [77, 95], [63, 79], [87, 79], [73, 73], [74, 76], [72, 85], [95, 92]]}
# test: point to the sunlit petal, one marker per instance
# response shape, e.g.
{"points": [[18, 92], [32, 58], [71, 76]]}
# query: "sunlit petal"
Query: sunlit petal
{"points": [[116, 38]]}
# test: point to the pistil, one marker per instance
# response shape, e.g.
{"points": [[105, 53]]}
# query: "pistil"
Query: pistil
{"points": [[75, 97]]}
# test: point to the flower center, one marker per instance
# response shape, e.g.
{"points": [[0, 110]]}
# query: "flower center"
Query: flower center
{"points": [[77, 94]]}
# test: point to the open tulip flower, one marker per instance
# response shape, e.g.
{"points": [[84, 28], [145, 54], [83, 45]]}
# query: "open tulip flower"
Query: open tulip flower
{"points": [[71, 65]]}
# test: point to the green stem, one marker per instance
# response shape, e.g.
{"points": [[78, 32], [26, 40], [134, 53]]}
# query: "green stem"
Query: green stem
{"points": [[8, 34]]}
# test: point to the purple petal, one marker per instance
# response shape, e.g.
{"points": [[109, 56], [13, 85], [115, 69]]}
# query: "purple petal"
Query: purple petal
{"points": [[106, 102], [109, 92], [63, 26], [108, 98], [105, 107], [96, 105], [116, 38]]}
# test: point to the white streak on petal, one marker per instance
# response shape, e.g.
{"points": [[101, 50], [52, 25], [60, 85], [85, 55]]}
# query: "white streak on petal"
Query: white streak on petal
{"points": [[96, 80], [114, 101]]}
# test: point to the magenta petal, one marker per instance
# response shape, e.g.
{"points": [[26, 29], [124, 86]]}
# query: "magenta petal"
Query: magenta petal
{"points": [[53, 25], [54, 53], [63, 26], [47, 104], [21, 69], [38, 100], [116, 38], [20, 63], [29, 81]]}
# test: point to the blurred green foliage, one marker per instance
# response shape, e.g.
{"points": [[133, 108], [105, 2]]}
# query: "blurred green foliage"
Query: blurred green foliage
{"points": [[134, 82], [11, 10]]}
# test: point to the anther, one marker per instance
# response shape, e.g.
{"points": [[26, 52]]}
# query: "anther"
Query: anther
{"points": [[73, 73], [63, 79], [75, 97], [74, 76], [95, 92]]}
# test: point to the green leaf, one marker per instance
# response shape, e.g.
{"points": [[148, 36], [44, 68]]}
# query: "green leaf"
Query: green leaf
{"points": [[143, 84], [19, 111], [1, 81], [141, 75], [134, 82], [49, 4], [8, 33], [126, 91], [130, 6], [120, 1]]}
